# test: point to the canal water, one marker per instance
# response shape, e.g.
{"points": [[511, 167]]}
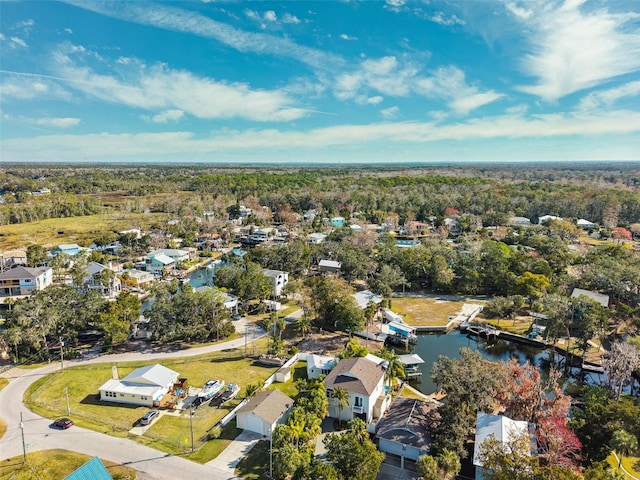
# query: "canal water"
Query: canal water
{"points": [[430, 347]]}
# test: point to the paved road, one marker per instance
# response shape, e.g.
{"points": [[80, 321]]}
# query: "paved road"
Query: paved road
{"points": [[38, 434]]}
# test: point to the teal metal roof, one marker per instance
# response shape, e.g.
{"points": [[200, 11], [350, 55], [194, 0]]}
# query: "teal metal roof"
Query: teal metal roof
{"points": [[92, 470]]}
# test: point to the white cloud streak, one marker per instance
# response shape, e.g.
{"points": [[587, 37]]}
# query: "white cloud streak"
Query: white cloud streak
{"points": [[572, 49], [66, 122], [606, 98], [149, 145], [156, 87]]}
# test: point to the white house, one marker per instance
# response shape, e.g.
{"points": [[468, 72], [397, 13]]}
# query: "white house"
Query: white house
{"points": [[600, 298], [316, 238], [329, 266], [24, 280], [279, 281], [264, 411], [319, 365], [406, 429], [547, 218], [108, 285], [519, 222], [586, 224], [364, 297], [364, 381], [144, 386], [502, 428]]}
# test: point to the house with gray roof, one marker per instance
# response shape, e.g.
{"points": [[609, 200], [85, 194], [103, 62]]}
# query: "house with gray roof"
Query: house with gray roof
{"points": [[600, 298], [364, 381], [264, 411], [406, 429], [24, 280], [144, 386]]}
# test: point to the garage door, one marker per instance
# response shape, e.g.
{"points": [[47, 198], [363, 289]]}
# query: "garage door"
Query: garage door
{"points": [[252, 423]]}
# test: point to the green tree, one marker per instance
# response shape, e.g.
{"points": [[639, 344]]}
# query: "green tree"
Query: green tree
{"points": [[316, 470], [394, 368], [624, 444], [353, 456], [353, 349], [36, 255], [341, 397], [442, 467]]}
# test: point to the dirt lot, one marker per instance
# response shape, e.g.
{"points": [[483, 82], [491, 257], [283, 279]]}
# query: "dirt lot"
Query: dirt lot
{"points": [[324, 343]]}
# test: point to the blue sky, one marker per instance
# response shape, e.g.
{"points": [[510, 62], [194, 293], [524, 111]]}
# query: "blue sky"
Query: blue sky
{"points": [[319, 81]]}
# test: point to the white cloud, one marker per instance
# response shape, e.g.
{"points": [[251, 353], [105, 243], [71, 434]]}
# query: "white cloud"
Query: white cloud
{"points": [[157, 87], [68, 30], [28, 87], [288, 18], [270, 16], [176, 19], [18, 42], [344, 36], [609, 97], [2, 37], [165, 117], [442, 19], [151, 145], [449, 83], [390, 113], [573, 48], [57, 122]]}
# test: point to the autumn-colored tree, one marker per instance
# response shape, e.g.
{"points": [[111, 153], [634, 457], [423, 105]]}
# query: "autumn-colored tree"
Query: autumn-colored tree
{"points": [[622, 234], [525, 396], [557, 444]]}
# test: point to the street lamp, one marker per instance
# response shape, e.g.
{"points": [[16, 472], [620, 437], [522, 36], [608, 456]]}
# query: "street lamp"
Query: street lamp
{"points": [[191, 413], [61, 354], [24, 446]]}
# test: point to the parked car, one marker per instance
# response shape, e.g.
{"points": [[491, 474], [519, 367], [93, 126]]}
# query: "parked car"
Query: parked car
{"points": [[148, 417], [63, 423]]}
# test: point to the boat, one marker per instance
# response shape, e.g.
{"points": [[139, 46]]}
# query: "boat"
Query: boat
{"points": [[271, 360], [211, 389], [230, 392]]}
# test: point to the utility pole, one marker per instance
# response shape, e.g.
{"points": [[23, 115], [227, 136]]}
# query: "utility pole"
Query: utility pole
{"points": [[66, 392], [61, 354], [271, 452], [24, 446], [246, 339], [191, 412]]}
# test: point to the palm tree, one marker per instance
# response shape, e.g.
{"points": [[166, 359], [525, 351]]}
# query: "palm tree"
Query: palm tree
{"points": [[395, 368], [252, 389], [303, 325], [341, 396], [449, 464], [281, 323], [624, 443]]}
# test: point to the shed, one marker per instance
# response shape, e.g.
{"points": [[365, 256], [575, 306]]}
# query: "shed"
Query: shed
{"points": [[283, 374], [264, 411]]}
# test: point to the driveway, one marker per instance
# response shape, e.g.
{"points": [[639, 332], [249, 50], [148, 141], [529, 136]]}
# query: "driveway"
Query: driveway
{"points": [[38, 434], [238, 449]]}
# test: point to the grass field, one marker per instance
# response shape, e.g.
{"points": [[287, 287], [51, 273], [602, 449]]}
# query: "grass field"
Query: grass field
{"points": [[630, 465], [80, 230], [55, 464], [419, 312], [170, 433]]}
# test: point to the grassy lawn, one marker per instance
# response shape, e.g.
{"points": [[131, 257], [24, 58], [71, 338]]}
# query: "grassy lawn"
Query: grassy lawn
{"points": [[3, 383], [289, 388], [628, 464], [55, 464], [252, 466], [519, 325], [170, 433], [80, 230], [425, 311]]}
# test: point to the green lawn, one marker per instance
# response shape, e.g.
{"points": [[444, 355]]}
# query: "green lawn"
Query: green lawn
{"points": [[430, 312], [55, 464], [289, 388], [81, 230], [252, 466], [628, 463], [170, 433]]}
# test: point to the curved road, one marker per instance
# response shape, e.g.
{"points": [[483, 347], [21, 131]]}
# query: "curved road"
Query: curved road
{"points": [[151, 464]]}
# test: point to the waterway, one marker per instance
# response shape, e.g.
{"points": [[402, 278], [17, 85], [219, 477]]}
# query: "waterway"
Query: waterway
{"points": [[430, 347]]}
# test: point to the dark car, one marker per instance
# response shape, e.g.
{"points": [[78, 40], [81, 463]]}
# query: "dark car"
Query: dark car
{"points": [[148, 417], [63, 423]]}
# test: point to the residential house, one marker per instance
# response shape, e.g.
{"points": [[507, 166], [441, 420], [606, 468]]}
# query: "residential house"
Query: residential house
{"points": [[24, 280], [279, 281], [178, 256], [501, 428], [319, 365], [102, 279], [12, 258], [355, 228], [413, 227], [136, 278], [160, 263], [519, 222], [364, 382], [600, 298], [586, 224], [453, 226], [329, 266], [316, 238], [264, 411], [94, 469], [337, 222], [70, 249], [547, 218], [229, 301], [406, 429], [134, 232], [144, 386], [364, 297]]}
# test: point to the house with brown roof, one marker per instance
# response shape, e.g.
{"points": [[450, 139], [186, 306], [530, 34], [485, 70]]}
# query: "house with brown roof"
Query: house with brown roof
{"points": [[364, 381], [264, 411]]}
